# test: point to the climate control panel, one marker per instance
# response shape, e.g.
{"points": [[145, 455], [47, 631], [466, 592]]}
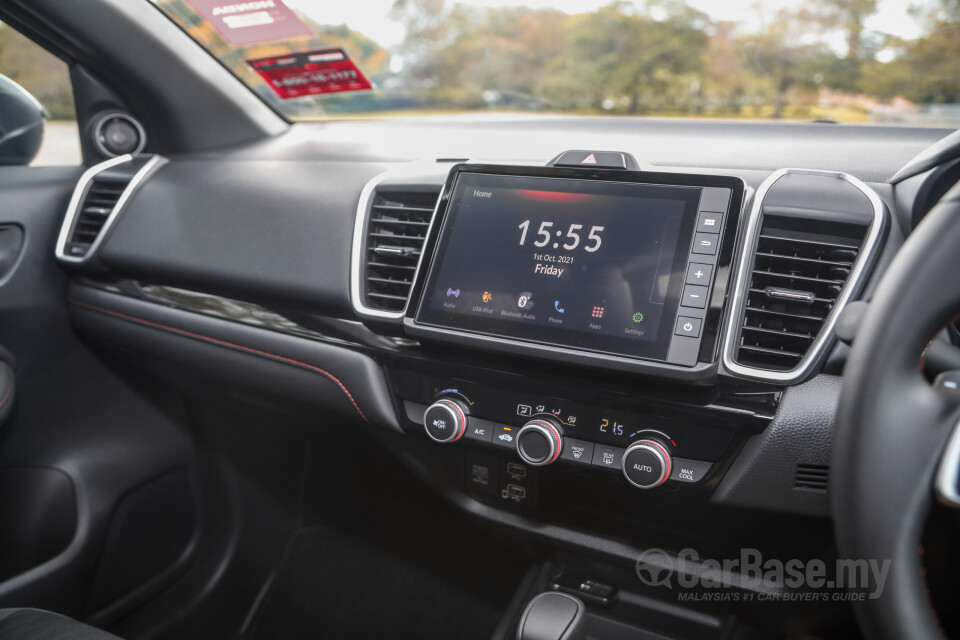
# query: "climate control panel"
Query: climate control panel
{"points": [[649, 449], [646, 463], [639, 438]]}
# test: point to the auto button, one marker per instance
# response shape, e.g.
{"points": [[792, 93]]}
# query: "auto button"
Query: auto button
{"points": [[646, 464]]}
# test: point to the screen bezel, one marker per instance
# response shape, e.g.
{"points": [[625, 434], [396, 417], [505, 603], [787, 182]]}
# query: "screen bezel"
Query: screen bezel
{"points": [[565, 352]]}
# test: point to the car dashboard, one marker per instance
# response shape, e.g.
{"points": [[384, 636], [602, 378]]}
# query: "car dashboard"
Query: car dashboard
{"points": [[685, 371]]}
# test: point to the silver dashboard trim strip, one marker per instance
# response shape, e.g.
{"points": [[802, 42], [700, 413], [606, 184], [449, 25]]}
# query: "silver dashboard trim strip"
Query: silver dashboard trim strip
{"points": [[80, 191], [745, 266]]}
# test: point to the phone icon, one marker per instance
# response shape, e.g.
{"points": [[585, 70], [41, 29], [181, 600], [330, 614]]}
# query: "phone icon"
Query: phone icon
{"points": [[556, 305]]}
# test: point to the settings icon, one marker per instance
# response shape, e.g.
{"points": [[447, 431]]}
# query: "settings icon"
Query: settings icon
{"points": [[638, 317]]}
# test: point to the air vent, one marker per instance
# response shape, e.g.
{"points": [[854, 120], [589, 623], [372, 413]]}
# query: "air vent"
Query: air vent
{"points": [[395, 233], [811, 239], [97, 199], [799, 271], [97, 205], [811, 477]]}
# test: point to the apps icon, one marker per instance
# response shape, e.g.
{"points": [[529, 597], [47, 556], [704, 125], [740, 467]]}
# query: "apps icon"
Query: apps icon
{"points": [[487, 296], [597, 312], [525, 301]]}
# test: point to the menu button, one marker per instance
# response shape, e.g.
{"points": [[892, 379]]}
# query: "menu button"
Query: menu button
{"points": [[709, 222]]}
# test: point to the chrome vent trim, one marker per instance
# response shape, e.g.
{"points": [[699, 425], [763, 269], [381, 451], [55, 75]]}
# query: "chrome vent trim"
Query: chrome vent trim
{"points": [[365, 208], [79, 196], [741, 287]]}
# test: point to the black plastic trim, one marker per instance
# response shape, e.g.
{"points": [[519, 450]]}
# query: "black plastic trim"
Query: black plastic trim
{"points": [[287, 366]]}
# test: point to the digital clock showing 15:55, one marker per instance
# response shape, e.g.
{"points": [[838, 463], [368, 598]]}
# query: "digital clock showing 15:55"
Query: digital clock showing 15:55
{"points": [[571, 240]]}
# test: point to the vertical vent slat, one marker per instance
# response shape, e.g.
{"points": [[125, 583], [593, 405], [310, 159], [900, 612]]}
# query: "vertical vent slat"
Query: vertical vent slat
{"points": [[396, 230], [799, 270]]}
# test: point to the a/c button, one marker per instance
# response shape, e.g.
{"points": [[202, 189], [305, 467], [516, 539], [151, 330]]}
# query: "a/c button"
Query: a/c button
{"points": [[689, 327], [479, 429]]}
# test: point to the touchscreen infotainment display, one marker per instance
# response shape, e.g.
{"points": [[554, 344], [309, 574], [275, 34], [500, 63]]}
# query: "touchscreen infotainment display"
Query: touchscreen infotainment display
{"points": [[586, 264]]}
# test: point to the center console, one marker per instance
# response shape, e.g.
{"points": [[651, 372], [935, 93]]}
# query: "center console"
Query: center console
{"points": [[590, 328], [589, 268]]}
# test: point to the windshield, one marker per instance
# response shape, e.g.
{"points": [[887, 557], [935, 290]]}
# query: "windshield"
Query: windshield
{"points": [[889, 61]]}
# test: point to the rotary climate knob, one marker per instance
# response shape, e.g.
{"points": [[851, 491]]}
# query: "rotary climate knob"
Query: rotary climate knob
{"points": [[646, 464], [540, 441], [445, 420]]}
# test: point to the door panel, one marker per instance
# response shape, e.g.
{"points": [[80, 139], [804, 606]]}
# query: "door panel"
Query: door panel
{"points": [[97, 507]]}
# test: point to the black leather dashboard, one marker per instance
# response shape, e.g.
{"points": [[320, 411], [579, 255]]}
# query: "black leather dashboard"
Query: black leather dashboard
{"points": [[276, 224]]}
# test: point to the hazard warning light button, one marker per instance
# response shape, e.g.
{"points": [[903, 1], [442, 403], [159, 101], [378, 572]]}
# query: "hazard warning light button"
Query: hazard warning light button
{"points": [[593, 159]]}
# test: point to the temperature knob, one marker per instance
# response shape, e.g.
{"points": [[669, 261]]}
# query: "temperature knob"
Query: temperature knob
{"points": [[445, 420], [646, 464], [540, 441]]}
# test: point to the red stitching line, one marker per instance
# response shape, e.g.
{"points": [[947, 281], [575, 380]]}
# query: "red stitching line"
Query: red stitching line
{"points": [[265, 354]]}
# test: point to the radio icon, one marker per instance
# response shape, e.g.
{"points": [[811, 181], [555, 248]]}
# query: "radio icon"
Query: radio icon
{"points": [[453, 292]]}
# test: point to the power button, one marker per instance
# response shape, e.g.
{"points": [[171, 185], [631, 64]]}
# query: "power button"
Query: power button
{"points": [[689, 327]]}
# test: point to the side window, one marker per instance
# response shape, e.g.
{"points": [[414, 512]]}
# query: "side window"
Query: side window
{"points": [[46, 78]]}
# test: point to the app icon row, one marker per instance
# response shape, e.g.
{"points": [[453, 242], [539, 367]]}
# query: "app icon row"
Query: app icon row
{"points": [[525, 302]]}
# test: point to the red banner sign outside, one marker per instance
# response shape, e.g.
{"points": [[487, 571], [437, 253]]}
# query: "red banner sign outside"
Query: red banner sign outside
{"points": [[311, 73], [253, 21]]}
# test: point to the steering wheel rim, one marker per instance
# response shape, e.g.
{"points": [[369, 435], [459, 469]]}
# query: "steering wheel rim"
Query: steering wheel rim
{"points": [[892, 426]]}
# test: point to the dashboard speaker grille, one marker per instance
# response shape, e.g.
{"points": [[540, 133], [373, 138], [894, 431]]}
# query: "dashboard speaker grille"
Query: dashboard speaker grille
{"points": [[98, 202], [396, 231], [799, 269]]}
